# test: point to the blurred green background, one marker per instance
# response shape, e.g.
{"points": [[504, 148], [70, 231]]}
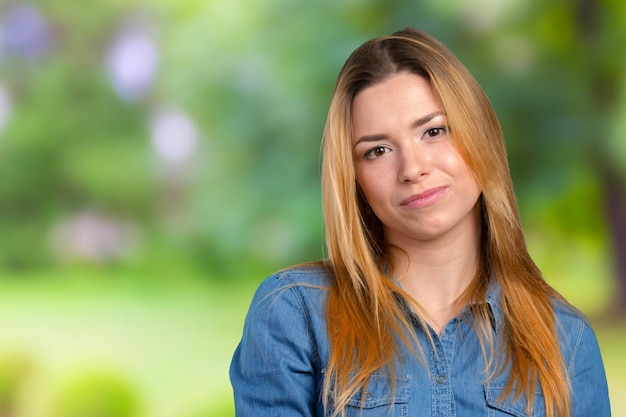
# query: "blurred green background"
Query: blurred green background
{"points": [[159, 158]]}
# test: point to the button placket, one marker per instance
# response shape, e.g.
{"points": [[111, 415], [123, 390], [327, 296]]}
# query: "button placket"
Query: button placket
{"points": [[443, 396]]}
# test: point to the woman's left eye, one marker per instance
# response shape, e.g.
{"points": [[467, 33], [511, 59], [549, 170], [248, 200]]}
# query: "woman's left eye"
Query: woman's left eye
{"points": [[435, 132]]}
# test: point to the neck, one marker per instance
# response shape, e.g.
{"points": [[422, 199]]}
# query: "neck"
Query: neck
{"points": [[436, 274]]}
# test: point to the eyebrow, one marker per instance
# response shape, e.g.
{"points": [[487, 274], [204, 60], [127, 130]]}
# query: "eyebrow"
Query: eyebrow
{"points": [[419, 122]]}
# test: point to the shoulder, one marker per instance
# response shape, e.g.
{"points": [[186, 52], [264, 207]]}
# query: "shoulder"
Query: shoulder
{"points": [[570, 321], [310, 275], [578, 340], [276, 366], [583, 361], [290, 307], [302, 286]]}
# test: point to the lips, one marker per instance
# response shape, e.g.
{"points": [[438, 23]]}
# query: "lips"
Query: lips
{"points": [[424, 199]]}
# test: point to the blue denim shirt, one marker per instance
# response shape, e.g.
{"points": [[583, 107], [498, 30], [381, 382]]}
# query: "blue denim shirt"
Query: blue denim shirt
{"points": [[278, 368]]}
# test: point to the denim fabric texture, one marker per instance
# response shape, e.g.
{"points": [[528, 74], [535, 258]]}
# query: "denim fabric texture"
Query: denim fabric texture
{"points": [[278, 368]]}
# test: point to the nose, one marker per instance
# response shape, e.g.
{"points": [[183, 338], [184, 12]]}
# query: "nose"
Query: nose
{"points": [[414, 164]]}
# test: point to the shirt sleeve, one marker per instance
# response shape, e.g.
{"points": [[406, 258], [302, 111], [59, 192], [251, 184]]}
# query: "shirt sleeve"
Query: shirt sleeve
{"points": [[590, 395], [272, 371]]}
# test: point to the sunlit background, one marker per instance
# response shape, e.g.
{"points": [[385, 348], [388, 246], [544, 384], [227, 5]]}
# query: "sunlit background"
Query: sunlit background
{"points": [[159, 158]]}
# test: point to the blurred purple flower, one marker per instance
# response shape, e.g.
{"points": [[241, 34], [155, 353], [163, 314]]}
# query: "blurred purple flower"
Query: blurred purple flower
{"points": [[174, 136], [90, 235], [2, 46], [132, 63], [25, 31], [5, 107]]}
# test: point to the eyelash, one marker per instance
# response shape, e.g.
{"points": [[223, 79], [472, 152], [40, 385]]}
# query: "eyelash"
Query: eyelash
{"points": [[370, 153], [438, 131]]}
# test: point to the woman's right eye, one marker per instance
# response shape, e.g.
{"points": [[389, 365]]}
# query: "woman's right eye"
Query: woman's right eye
{"points": [[376, 152]]}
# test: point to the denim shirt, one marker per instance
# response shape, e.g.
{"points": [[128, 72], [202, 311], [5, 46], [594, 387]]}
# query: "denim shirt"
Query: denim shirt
{"points": [[278, 368]]}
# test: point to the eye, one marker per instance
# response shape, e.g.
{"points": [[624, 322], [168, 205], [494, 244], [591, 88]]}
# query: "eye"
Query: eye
{"points": [[435, 132], [376, 152]]}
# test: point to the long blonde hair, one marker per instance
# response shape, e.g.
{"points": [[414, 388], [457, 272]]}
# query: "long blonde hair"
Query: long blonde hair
{"points": [[365, 320]]}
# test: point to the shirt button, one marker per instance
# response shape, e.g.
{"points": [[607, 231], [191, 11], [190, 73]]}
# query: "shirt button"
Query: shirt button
{"points": [[368, 396], [441, 379]]}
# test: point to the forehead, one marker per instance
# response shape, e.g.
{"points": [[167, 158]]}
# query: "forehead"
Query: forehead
{"points": [[393, 103]]}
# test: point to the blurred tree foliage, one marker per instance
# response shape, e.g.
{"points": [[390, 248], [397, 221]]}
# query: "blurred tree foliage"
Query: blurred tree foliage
{"points": [[70, 143], [98, 394], [255, 78]]}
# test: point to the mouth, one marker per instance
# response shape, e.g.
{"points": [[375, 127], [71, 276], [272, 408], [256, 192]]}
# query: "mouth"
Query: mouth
{"points": [[424, 199]]}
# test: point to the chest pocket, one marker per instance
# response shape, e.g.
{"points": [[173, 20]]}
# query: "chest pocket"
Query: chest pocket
{"points": [[380, 399], [507, 406]]}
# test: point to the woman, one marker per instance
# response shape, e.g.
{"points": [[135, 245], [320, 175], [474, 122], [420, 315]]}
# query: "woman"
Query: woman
{"points": [[429, 303]]}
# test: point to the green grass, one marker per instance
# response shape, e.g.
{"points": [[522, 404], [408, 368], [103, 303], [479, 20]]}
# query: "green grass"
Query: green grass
{"points": [[171, 340]]}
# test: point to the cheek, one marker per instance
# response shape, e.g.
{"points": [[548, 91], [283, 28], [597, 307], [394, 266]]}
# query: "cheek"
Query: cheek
{"points": [[464, 177], [470, 184], [469, 175], [372, 187], [368, 188], [455, 163]]}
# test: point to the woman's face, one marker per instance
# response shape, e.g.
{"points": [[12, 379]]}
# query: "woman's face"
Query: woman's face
{"points": [[407, 163]]}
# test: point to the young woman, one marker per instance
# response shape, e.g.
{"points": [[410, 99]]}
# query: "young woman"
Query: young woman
{"points": [[429, 303]]}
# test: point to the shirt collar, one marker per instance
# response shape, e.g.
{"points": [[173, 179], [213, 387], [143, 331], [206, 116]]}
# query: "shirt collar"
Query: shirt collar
{"points": [[493, 299]]}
